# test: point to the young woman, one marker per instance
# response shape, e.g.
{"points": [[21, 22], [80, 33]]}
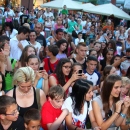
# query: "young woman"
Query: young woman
{"points": [[28, 50], [78, 105], [24, 92], [112, 45], [41, 76], [125, 87], [62, 45], [107, 108], [62, 75]]}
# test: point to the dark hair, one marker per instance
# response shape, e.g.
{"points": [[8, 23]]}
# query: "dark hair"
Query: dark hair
{"points": [[60, 42], [32, 31], [79, 90], [128, 73], [59, 30], [106, 92], [113, 58], [91, 41], [32, 114], [32, 56], [81, 44], [53, 49], [91, 51], [79, 33], [24, 56], [128, 50], [99, 52], [76, 64], [56, 92], [92, 58], [113, 44], [58, 71], [23, 30], [106, 72], [6, 101], [3, 38], [3, 81], [9, 24], [105, 58]]}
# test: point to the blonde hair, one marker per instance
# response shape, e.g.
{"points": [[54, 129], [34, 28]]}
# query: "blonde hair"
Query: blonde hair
{"points": [[24, 74], [125, 81], [26, 25]]}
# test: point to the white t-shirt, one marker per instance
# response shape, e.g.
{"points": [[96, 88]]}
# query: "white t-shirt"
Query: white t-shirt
{"points": [[77, 120], [77, 41], [83, 24], [48, 14], [10, 12], [14, 33], [15, 51]]}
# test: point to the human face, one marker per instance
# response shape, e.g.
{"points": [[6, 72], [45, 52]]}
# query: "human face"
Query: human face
{"points": [[103, 45], [33, 125], [1, 82], [24, 36], [93, 53], [12, 112], [30, 51], [56, 102], [113, 70], [116, 89], [32, 36], [116, 59], [25, 87], [81, 51], [109, 55], [125, 89], [97, 47], [91, 66], [127, 53], [38, 28], [59, 21], [76, 68], [66, 68], [60, 35], [89, 94], [33, 63], [63, 47]]}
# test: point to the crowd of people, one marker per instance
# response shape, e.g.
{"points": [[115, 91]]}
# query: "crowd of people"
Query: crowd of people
{"points": [[63, 71]]}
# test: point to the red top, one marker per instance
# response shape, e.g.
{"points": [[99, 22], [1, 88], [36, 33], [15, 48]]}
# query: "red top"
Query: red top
{"points": [[52, 66], [49, 114]]}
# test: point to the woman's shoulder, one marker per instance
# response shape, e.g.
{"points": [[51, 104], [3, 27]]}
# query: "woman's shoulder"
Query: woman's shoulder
{"points": [[10, 93], [98, 100]]}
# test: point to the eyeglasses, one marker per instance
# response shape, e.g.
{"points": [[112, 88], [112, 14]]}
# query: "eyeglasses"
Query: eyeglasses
{"points": [[14, 113], [67, 67]]}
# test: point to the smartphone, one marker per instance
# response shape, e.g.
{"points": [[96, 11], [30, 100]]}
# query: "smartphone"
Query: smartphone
{"points": [[80, 72], [41, 68], [128, 57]]}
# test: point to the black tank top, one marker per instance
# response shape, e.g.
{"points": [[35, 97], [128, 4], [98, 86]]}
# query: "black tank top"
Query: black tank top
{"points": [[84, 64], [22, 110]]}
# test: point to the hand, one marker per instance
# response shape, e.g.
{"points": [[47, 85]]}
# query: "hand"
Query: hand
{"points": [[84, 76], [39, 74], [2, 57], [126, 101], [20, 45], [6, 50], [44, 74], [118, 106], [75, 76]]}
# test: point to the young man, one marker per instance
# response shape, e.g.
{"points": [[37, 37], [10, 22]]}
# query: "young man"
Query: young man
{"points": [[81, 51], [52, 115], [51, 62], [91, 74], [9, 115], [32, 119], [18, 42]]}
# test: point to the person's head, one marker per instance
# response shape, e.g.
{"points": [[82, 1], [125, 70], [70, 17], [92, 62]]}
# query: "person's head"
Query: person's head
{"points": [[91, 63], [63, 69], [76, 67], [103, 43], [8, 108], [64, 7], [56, 96], [23, 32], [52, 50], [109, 69], [32, 35], [8, 7], [112, 45], [81, 92], [81, 50], [125, 86], [59, 33], [62, 45], [92, 52], [27, 25], [28, 50], [128, 52], [38, 28], [80, 35], [59, 20], [110, 91], [33, 61], [24, 78], [97, 46], [32, 119], [8, 26], [91, 43], [2, 81], [109, 54]]}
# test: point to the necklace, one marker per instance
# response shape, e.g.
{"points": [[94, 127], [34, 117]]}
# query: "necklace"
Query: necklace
{"points": [[24, 94]]}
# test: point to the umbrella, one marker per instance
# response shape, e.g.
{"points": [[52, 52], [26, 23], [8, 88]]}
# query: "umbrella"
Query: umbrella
{"points": [[108, 10], [87, 5], [58, 4]]}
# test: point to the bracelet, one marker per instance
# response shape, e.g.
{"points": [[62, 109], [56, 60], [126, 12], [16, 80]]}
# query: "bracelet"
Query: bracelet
{"points": [[76, 128], [122, 115], [117, 112]]}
